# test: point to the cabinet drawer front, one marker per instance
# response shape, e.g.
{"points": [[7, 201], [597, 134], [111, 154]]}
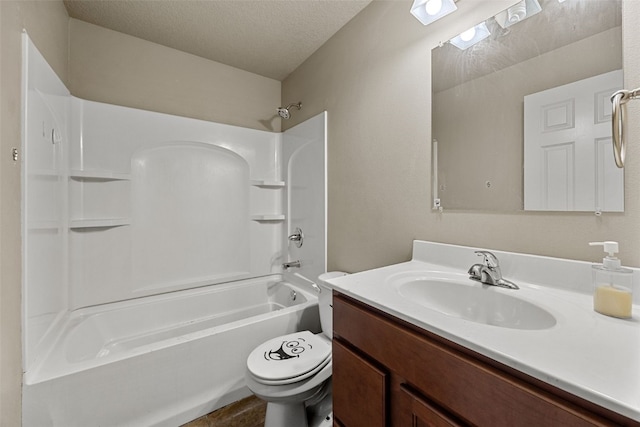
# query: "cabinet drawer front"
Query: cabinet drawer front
{"points": [[427, 414], [478, 392], [359, 390]]}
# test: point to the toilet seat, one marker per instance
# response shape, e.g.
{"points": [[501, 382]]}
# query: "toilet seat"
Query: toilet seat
{"points": [[289, 358]]}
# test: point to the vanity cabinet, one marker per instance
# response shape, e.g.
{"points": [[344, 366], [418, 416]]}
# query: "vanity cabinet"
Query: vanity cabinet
{"points": [[387, 372]]}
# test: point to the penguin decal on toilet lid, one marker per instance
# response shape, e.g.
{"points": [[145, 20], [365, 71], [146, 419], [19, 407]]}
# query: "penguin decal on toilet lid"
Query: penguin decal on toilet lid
{"points": [[288, 349], [298, 355]]}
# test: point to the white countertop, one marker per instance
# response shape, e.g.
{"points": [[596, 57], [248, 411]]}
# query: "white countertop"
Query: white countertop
{"points": [[585, 353]]}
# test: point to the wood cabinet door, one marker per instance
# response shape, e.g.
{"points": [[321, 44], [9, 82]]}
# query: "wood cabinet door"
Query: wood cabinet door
{"points": [[425, 413], [359, 390]]}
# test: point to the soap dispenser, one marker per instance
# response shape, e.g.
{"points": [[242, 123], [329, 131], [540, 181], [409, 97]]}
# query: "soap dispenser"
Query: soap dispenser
{"points": [[613, 284]]}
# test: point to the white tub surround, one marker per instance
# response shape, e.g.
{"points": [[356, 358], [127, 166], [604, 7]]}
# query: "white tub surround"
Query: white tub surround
{"points": [[126, 212], [593, 356]]}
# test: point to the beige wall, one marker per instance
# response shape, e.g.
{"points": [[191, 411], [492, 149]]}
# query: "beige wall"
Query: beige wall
{"points": [[108, 66], [373, 77], [46, 22]]}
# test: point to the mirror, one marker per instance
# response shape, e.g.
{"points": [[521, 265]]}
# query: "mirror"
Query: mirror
{"points": [[542, 82]]}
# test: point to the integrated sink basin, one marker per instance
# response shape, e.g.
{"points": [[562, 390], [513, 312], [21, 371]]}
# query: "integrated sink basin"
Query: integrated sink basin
{"points": [[467, 299]]}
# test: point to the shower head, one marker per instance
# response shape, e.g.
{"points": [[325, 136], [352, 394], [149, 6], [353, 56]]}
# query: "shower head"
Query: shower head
{"points": [[284, 111]]}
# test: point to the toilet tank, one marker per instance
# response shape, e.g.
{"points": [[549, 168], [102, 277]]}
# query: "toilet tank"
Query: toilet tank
{"points": [[325, 301]]}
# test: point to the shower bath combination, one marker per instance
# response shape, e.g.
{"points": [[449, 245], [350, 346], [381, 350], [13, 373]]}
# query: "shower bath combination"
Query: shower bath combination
{"points": [[284, 111], [116, 342]]}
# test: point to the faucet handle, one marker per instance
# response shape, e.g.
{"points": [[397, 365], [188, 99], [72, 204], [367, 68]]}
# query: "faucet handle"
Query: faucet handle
{"points": [[297, 237], [490, 260]]}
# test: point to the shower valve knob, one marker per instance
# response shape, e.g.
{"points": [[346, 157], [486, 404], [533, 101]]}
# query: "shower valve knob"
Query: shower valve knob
{"points": [[297, 237]]}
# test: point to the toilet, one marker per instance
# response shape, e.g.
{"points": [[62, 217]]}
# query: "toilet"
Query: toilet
{"points": [[292, 373]]}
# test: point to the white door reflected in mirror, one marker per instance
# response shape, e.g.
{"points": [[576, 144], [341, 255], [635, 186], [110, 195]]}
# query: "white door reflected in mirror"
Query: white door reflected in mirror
{"points": [[568, 153]]}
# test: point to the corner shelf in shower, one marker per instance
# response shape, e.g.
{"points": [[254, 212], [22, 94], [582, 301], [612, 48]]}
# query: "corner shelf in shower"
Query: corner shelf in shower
{"points": [[76, 224], [268, 218], [99, 178], [267, 184], [102, 175]]}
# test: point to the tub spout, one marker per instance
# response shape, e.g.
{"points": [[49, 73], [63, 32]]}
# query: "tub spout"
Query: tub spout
{"points": [[291, 264]]}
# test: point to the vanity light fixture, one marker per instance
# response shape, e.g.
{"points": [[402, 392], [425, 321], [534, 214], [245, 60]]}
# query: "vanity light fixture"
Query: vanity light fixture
{"points": [[518, 13], [428, 11], [470, 37]]}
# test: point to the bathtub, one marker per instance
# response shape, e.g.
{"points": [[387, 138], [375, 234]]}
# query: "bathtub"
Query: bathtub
{"points": [[162, 360]]}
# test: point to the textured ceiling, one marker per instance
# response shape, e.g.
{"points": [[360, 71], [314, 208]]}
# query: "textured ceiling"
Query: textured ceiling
{"points": [[267, 37]]}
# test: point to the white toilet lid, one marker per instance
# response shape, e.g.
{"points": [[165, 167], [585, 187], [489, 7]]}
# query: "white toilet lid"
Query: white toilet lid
{"points": [[289, 357]]}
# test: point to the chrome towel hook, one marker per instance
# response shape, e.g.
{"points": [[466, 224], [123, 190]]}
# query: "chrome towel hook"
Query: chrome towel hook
{"points": [[618, 112]]}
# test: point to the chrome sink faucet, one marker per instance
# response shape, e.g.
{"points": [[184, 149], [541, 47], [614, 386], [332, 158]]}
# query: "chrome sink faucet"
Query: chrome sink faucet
{"points": [[489, 272]]}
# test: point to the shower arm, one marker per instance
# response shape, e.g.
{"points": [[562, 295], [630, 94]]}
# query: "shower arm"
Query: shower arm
{"points": [[298, 106]]}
